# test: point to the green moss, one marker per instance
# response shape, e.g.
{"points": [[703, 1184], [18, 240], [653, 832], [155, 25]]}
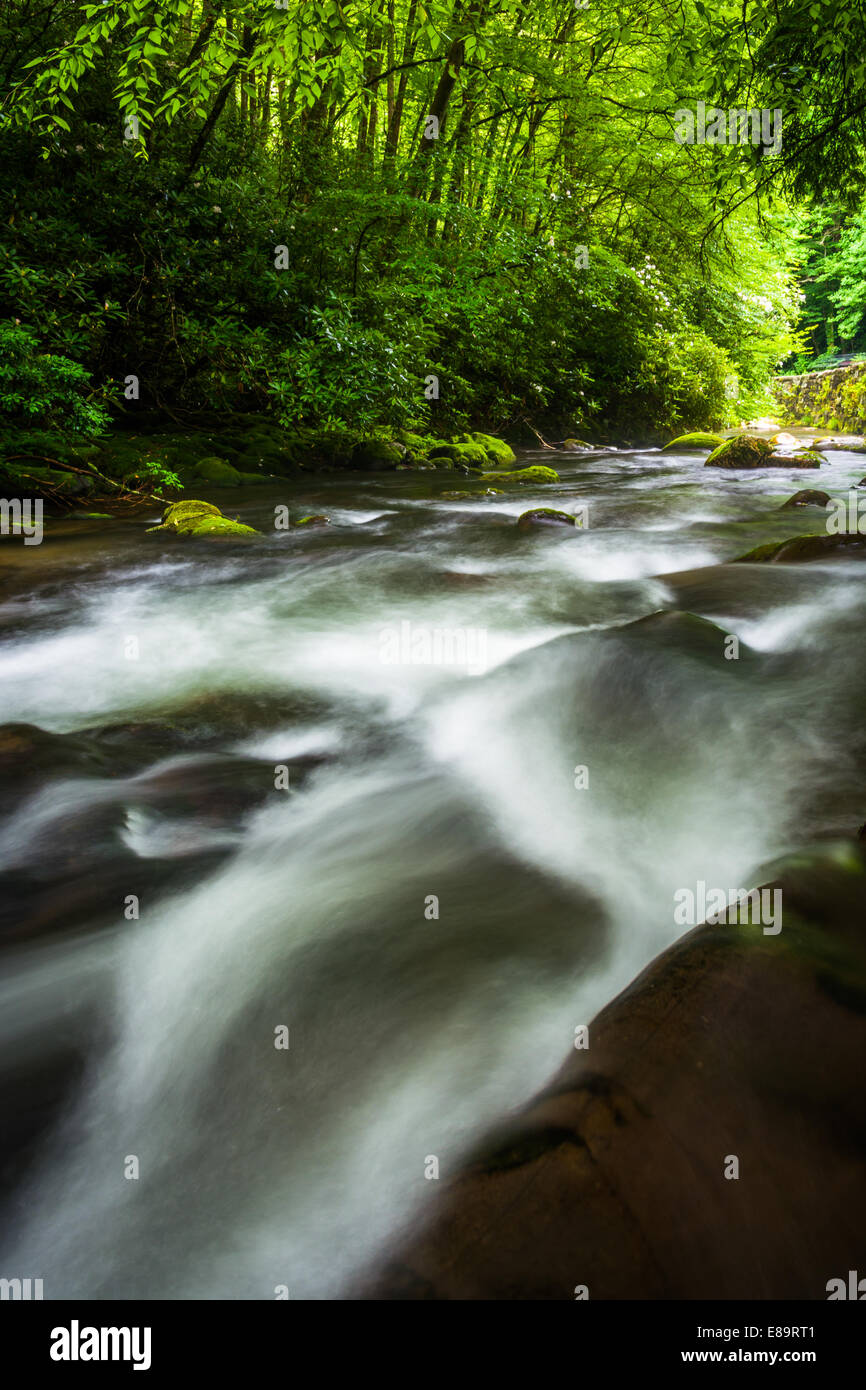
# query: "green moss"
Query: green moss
{"points": [[500, 454], [318, 519], [176, 511], [743, 451], [214, 526], [469, 454], [217, 472], [200, 519], [536, 474], [685, 443]]}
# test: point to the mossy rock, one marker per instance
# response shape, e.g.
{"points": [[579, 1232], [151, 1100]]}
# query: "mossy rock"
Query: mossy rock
{"points": [[806, 497], [804, 458], [687, 443], [318, 519], [200, 519], [743, 451], [800, 549], [177, 511], [376, 455], [214, 528], [467, 454], [536, 474], [500, 454], [575, 444], [543, 517], [217, 472], [415, 443]]}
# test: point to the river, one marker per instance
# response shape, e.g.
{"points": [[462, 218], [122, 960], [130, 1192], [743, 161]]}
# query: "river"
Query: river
{"points": [[332, 840]]}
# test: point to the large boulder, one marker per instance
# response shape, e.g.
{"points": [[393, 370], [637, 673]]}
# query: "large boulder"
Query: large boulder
{"points": [[618, 1182]]}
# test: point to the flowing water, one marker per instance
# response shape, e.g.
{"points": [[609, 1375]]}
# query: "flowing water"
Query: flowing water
{"points": [[504, 753]]}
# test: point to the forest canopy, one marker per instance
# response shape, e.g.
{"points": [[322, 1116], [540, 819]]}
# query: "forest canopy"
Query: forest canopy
{"points": [[436, 214]]}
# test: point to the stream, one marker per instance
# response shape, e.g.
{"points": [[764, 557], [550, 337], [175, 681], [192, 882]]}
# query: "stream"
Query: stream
{"points": [[316, 851]]}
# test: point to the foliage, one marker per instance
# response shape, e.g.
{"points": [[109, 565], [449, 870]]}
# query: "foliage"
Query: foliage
{"points": [[38, 389], [183, 144]]}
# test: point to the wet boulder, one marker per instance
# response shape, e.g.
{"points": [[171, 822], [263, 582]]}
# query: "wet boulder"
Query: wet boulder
{"points": [[200, 519], [615, 1181], [807, 497], [542, 517], [801, 549]]}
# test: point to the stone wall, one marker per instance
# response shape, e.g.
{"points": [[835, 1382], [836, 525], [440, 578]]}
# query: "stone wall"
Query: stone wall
{"points": [[831, 400]]}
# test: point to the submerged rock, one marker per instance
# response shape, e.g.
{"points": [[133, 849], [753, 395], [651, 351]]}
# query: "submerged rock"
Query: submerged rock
{"points": [[536, 474], [543, 516], [686, 443], [807, 497]]}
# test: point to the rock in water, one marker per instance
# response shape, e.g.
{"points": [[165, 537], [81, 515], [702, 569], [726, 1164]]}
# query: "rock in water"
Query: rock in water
{"points": [[751, 451], [544, 516], [618, 1178], [199, 519], [800, 549], [807, 497]]}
